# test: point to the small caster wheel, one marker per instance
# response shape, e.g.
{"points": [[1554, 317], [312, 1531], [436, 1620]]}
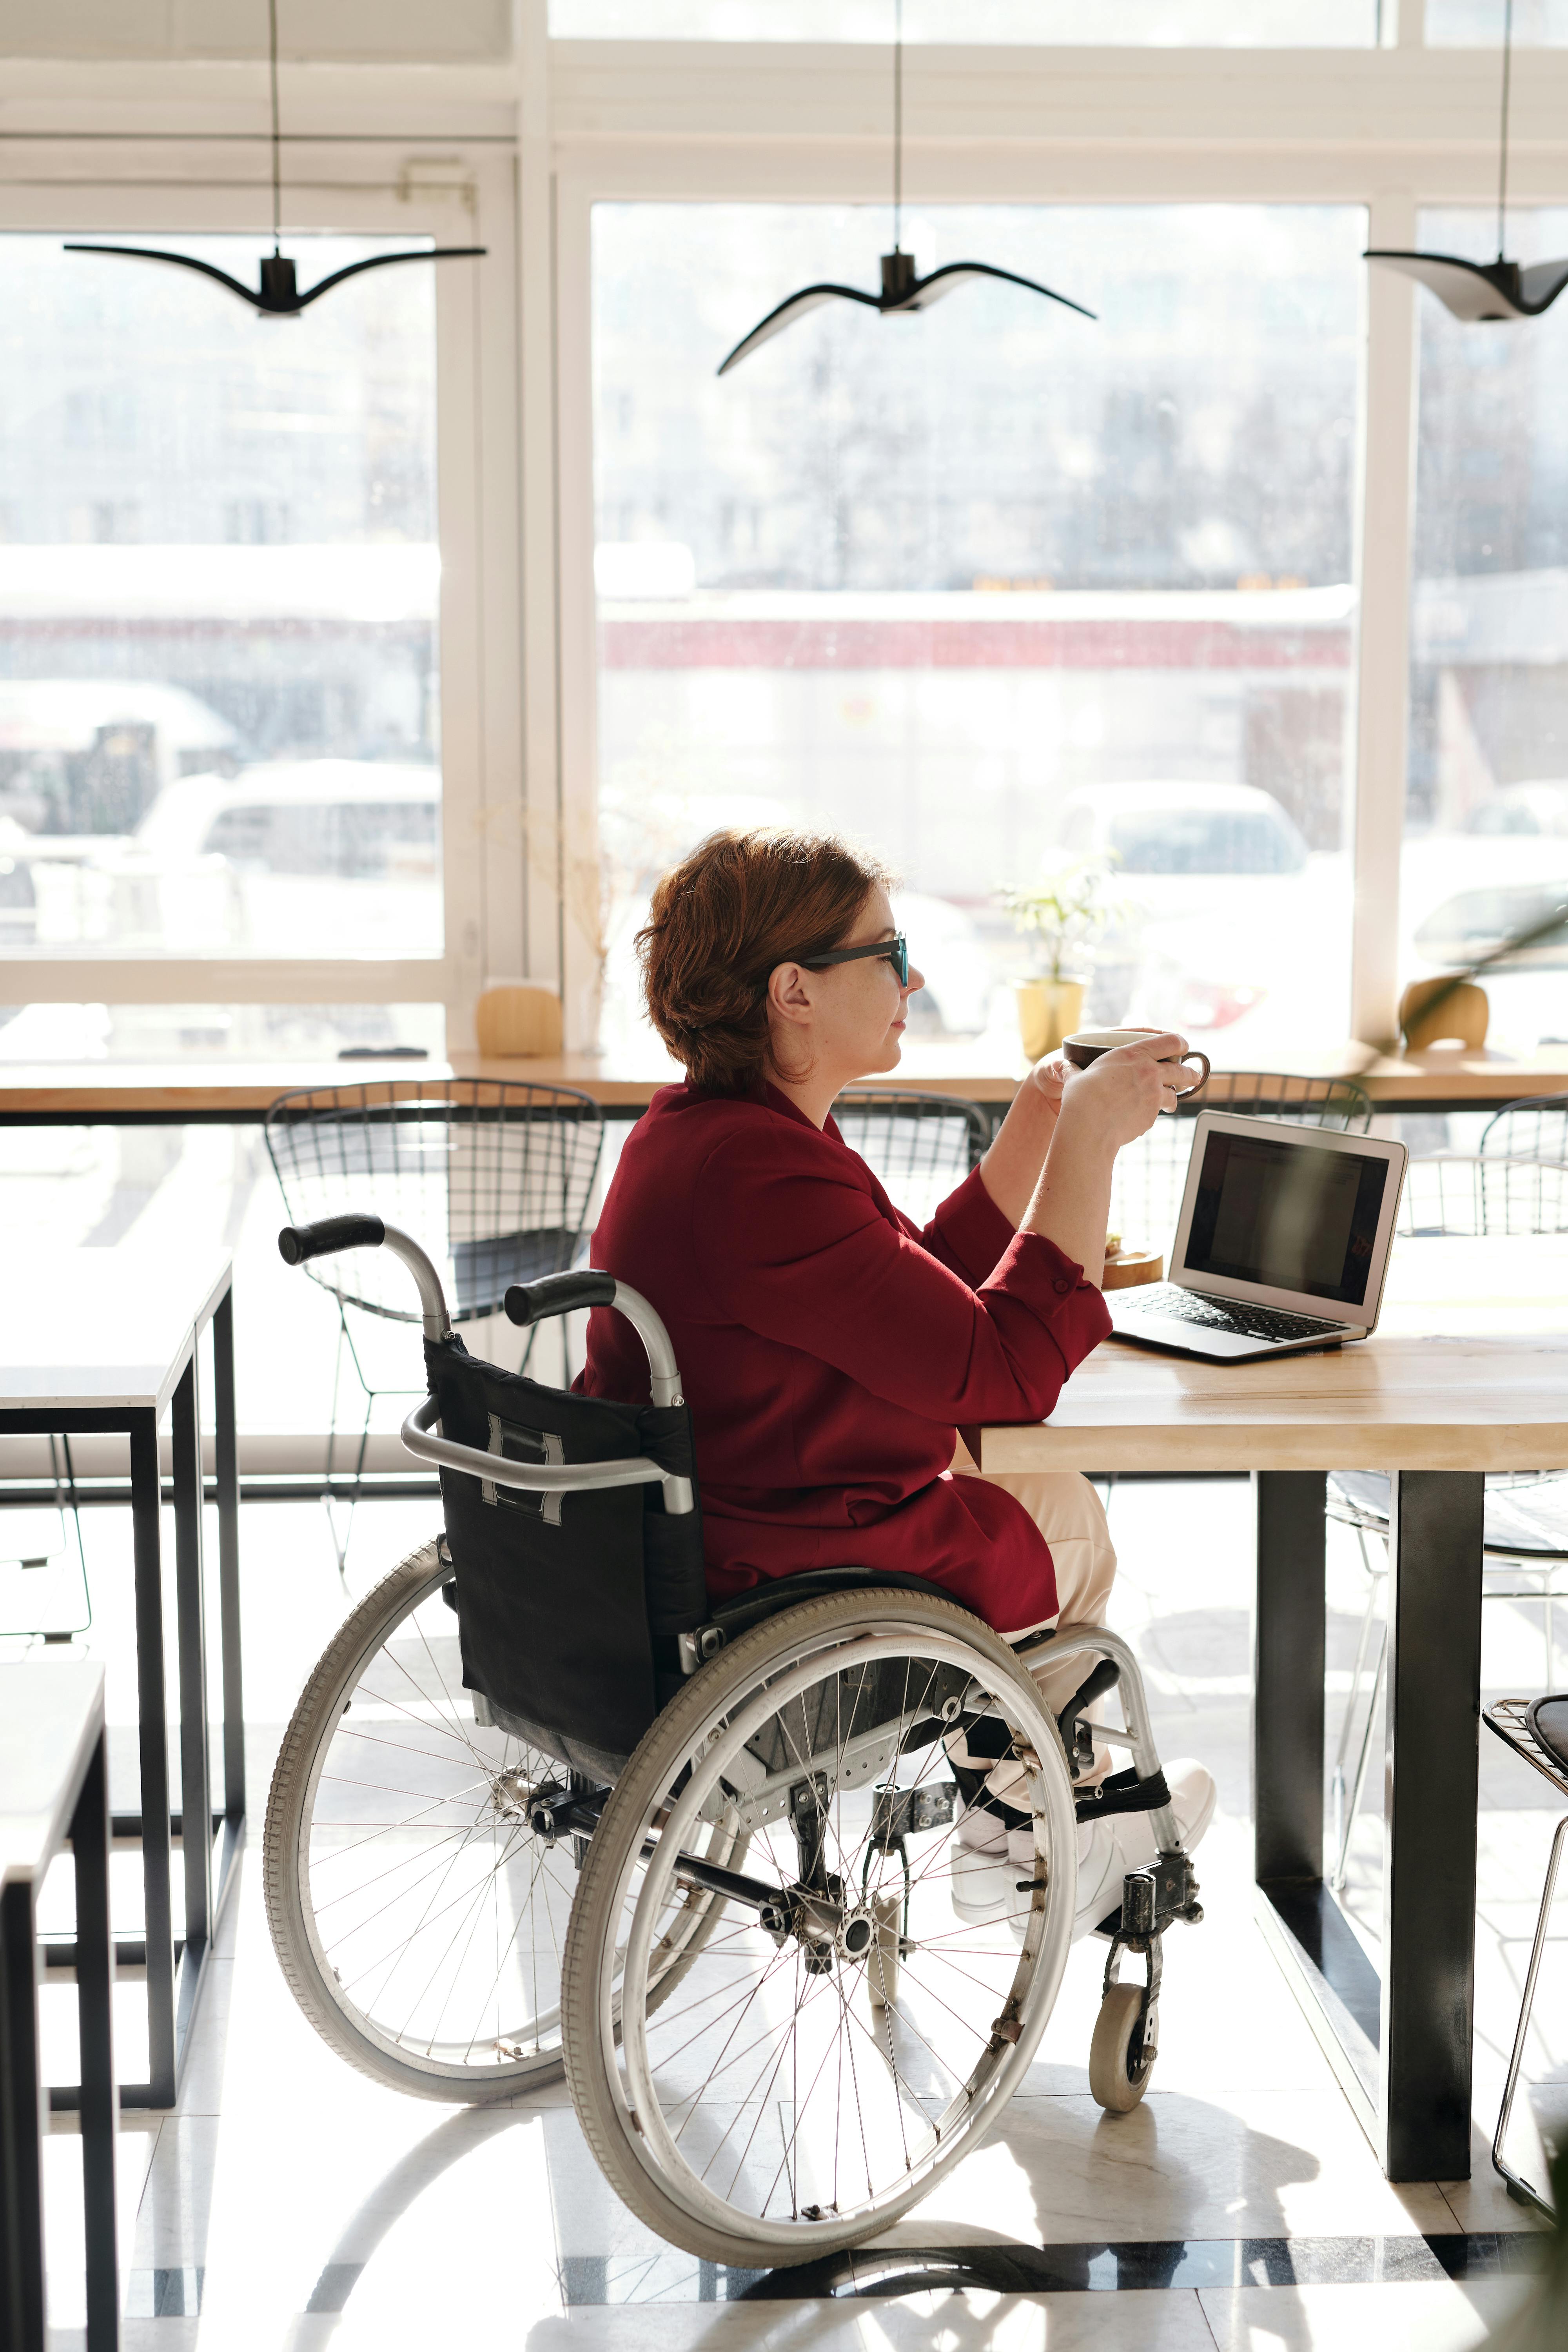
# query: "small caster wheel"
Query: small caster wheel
{"points": [[1117, 2074], [882, 1965]]}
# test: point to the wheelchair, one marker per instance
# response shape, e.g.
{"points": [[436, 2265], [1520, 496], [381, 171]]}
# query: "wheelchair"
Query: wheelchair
{"points": [[542, 1809]]}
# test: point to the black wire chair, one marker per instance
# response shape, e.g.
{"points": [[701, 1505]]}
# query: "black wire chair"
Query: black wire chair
{"points": [[1527, 1129], [494, 1179], [1513, 1185], [920, 1147], [1537, 1731], [1146, 1194]]}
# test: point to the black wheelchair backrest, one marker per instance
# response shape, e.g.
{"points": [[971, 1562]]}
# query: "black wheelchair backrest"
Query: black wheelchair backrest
{"points": [[572, 1521]]}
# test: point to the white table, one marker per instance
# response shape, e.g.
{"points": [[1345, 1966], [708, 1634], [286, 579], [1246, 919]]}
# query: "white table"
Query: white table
{"points": [[53, 1785], [90, 1341], [1466, 1373]]}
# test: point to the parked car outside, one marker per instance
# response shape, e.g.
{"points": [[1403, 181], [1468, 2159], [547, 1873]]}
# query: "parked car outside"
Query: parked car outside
{"points": [[1233, 928], [1463, 894], [300, 857]]}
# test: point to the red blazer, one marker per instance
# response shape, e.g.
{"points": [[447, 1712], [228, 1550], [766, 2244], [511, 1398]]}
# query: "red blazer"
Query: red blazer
{"points": [[829, 1350]]}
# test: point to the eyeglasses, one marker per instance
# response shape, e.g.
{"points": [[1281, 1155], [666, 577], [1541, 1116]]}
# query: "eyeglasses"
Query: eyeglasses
{"points": [[895, 952]]}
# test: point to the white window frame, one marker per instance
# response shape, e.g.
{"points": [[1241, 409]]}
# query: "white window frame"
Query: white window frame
{"points": [[1394, 129], [542, 136], [493, 924]]}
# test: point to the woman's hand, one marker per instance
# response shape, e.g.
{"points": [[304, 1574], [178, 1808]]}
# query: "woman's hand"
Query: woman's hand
{"points": [[1011, 1169], [1049, 1078], [1118, 1097], [1114, 1101]]}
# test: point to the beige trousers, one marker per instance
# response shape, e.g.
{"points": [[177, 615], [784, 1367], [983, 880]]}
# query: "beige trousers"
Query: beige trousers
{"points": [[1071, 1517]]}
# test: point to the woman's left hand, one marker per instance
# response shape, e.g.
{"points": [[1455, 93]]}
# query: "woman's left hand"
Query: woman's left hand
{"points": [[1048, 1078], [1011, 1169]]}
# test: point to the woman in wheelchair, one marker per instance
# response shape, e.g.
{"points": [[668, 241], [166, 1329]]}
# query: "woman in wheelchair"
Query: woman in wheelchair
{"points": [[731, 1748], [831, 1353]]}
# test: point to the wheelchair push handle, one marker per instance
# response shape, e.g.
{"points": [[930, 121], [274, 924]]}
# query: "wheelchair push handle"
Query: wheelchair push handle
{"points": [[327, 1235], [558, 1294], [296, 1243]]}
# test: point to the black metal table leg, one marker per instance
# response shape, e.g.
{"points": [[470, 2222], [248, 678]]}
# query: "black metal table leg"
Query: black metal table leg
{"points": [[95, 2017], [22, 2305], [196, 1778], [226, 1464], [1288, 1679], [1432, 1770], [146, 1509], [1309, 1934]]}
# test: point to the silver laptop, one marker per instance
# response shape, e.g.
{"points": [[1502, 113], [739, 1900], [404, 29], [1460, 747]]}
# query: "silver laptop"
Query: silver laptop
{"points": [[1282, 1243]]}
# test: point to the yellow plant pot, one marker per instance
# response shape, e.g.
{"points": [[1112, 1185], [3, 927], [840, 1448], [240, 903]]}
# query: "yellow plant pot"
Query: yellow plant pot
{"points": [[1049, 1010]]}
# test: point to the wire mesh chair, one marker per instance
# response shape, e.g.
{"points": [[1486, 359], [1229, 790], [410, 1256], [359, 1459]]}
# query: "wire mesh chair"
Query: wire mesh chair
{"points": [[1477, 1193], [493, 1179], [1537, 1731], [920, 1147], [1528, 1130], [1146, 1194], [1525, 1530]]}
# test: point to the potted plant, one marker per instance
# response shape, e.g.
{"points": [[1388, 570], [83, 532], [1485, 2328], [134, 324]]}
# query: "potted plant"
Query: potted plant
{"points": [[1064, 915]]}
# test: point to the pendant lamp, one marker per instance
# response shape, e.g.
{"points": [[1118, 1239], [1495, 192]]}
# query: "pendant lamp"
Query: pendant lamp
{"points": [[902, 288], [1493, 290], [278, 295]]}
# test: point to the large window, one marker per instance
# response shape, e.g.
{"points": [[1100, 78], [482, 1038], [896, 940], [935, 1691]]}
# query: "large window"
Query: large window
{"points": [[218, 579], [996, 587], [1486, 840]]}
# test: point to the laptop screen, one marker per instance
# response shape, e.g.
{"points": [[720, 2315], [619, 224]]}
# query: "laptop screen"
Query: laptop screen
{"points": [[1291, 1216]]}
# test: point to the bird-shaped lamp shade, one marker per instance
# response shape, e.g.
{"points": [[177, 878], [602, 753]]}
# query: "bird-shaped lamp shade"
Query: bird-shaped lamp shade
{"points": [[278, 295], [1475, 290], [902, 290], [1486, 290]]}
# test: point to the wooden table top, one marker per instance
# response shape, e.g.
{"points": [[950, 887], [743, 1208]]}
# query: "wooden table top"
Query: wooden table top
{"points": [[244, 1089], [95, 1329], [1467, 1370]]}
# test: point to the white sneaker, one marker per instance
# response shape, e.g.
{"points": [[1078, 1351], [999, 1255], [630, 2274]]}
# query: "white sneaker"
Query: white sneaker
{"points": [[1125, 1841]]}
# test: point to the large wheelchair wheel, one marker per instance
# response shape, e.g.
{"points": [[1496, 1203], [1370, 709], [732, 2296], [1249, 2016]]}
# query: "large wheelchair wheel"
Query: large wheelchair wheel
{"points": [[417, 1918], [843, 2038]]}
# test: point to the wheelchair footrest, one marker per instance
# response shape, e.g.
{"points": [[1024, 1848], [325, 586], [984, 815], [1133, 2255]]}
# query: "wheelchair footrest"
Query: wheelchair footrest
{"points": [[1124, 1792]]}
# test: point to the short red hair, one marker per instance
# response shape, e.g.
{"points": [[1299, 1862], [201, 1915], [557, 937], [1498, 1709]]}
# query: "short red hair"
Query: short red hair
{"points": [[741, 904]]}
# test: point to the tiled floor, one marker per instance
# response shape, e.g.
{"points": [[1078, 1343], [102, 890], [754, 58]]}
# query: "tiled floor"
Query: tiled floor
{"points": [[291, 2204]]}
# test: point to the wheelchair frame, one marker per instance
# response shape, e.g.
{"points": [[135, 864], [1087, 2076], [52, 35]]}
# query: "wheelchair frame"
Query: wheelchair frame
{"points": [[821, 1914]]}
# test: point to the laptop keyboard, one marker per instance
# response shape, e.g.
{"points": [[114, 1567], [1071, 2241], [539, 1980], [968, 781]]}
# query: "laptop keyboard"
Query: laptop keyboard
{"points": [[1166, 1298]]}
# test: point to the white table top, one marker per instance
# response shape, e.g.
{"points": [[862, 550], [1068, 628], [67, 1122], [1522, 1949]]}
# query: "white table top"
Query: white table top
{"points": [[90, 1329], [51, 1711], [1467, 1370]]}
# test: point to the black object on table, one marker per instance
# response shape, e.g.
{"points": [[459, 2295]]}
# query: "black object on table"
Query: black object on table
{"points": [[1401, 2040], [53, 1785], [114, 1349]]}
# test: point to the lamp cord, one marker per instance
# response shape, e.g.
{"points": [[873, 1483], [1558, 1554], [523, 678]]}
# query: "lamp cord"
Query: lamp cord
{"points": [[276, 163], [1502, 159], [897, 119]]}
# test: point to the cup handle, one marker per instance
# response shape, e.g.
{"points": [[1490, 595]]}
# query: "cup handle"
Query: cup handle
{"points": [[1195, 1057]]}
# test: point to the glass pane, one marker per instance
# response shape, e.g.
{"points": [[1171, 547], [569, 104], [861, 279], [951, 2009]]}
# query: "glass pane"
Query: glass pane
{"points": [[1150, 23], [1477, 24], [996, 587], [1485, 833], [218, 579]]}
